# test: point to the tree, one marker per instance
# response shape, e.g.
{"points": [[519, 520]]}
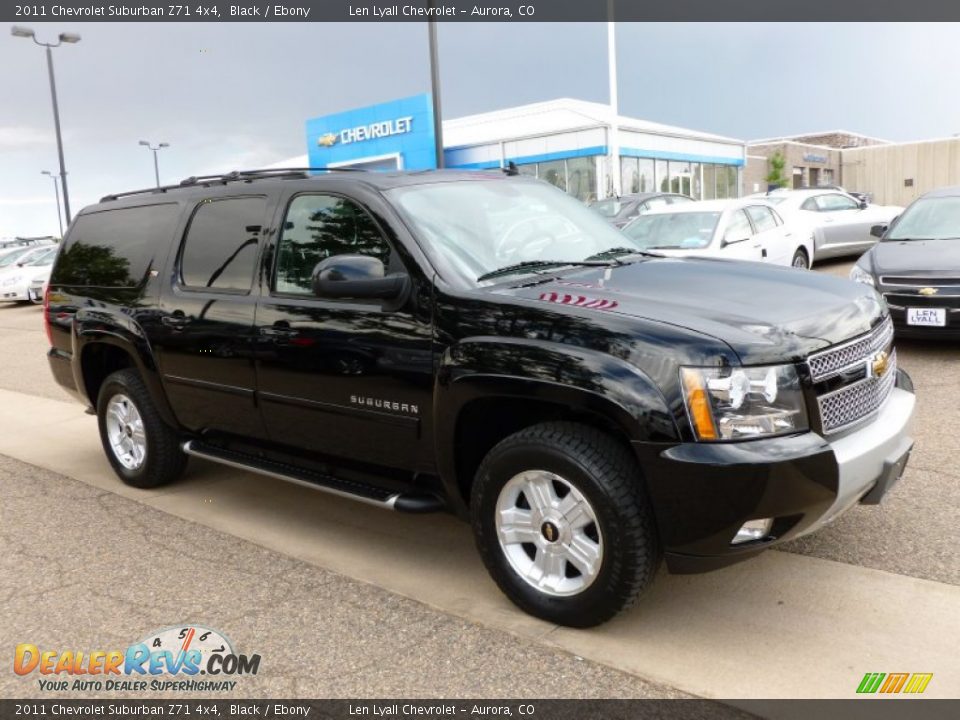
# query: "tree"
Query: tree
{"points": [[777, 177]]}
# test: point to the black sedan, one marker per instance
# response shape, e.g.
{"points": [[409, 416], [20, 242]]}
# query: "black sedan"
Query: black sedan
{"points": [[620, 210], [916, 266]]}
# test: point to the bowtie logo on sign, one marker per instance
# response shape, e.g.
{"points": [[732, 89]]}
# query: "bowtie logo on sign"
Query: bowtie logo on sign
{"points": [[360, 133]]}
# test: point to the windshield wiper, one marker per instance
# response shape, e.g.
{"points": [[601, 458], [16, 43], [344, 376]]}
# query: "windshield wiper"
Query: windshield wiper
{"points": [[617, 251], [530, 264]]}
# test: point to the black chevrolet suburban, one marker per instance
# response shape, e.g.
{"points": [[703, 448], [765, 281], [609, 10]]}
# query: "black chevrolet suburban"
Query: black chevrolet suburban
{"points": [[482, 344]]}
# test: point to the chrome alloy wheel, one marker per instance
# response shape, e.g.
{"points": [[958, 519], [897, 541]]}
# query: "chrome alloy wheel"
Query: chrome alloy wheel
{"points": [[800, 261], [549, 533], [128, 440]]}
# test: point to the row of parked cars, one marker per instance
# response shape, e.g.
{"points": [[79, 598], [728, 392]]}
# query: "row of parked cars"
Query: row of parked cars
{"points": [[785, 227], [916, 268], [24, 271]]}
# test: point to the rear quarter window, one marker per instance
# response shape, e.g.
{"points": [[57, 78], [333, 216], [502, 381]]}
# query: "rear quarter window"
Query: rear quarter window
{"points": [[115, 248]]}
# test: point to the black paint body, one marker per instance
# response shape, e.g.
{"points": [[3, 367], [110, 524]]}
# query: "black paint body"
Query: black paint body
{"points": [[410, 395]]}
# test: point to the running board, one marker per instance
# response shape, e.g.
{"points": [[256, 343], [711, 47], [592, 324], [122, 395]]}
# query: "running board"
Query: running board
{"points": [[362, 492]]}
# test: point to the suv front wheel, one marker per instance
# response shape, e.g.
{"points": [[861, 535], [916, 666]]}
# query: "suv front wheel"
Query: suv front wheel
{"points": [[143, 450], [563, 525]]}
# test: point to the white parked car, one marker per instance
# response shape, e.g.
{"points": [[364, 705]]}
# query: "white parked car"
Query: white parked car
{"points": [[840, 222], [742, 229], [15, 279]]}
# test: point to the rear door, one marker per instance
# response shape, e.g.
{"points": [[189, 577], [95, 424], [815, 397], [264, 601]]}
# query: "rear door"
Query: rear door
{"points": [[205, 339], [774, 237], [842, 224]]}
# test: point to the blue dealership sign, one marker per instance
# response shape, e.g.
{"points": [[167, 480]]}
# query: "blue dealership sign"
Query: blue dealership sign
{"points": [[399, 134]]}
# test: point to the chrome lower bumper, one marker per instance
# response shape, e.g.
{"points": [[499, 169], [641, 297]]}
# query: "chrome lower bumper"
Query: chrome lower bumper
{"points": [[865, 455]]}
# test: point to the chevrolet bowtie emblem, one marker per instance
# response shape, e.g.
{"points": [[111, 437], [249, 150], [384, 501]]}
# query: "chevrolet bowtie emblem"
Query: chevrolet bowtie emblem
{"points": [[879, 363], [927, 291], [327, 140]]}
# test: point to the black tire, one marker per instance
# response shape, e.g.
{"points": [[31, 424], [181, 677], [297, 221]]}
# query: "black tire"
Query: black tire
{"points": [[163, 461], [605, 473], [800, 259]]}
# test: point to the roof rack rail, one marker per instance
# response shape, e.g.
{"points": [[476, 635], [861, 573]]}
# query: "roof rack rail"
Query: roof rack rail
{"points": [[233, 176]]}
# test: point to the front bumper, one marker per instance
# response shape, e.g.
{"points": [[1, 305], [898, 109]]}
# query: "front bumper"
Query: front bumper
{"points": [[704, 492]]}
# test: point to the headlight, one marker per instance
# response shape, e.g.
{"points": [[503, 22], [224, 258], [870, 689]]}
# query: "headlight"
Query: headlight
{"points": [[738, 403], [858, 274]]}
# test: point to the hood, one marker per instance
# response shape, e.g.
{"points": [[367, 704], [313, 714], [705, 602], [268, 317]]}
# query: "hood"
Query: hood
{"points": [[916, 257], [764, 313]]}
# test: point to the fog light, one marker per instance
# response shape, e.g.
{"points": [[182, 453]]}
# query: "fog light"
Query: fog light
{"points": [[753, 530]]}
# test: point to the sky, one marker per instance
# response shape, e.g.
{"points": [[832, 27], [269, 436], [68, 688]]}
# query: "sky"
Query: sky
{"points": [[237, 95]]}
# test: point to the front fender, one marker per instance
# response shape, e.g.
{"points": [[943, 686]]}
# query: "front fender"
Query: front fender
{"points": [[100, 326], [577, 378]]}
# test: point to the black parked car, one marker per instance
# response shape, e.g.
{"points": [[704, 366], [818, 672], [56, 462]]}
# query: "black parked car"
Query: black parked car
{"points": [[916, 266], [485, 345], [621, 210]]}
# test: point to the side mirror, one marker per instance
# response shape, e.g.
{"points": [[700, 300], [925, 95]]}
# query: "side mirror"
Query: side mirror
{"points": [[356, 276], [732, 241], [878, 230], [863, 204]]}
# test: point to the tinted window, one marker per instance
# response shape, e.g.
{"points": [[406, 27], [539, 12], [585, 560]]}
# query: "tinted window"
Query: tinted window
{"points": [[115, 248], [318, 227], [762, 218], [220, 250], [830, 203]]}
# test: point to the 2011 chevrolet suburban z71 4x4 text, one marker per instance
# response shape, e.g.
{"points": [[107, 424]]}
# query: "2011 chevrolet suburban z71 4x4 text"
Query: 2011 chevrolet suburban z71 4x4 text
{"points": [[484, 344]]}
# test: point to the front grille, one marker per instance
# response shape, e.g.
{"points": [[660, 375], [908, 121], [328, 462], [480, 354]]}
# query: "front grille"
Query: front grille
{"points": [[847, 355], [899, 300], [920, 281], [851, 403]]}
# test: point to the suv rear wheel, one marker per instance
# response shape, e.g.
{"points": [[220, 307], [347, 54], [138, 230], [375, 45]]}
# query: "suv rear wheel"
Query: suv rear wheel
{"points": [[563, 525], [143, 450]]}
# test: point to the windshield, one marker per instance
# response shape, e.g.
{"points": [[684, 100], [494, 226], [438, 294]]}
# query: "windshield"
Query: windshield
{"points": [[608, 208], [45, 258], [476, 227], [15, 256], [929, 219], [682, 230]]}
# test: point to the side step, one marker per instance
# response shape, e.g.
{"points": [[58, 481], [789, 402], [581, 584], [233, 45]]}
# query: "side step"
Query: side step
{"points": [[370, 494]]}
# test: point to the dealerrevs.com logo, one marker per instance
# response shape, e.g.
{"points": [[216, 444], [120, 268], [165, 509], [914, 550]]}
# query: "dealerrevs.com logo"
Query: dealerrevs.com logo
{"points": [[185, 658]]}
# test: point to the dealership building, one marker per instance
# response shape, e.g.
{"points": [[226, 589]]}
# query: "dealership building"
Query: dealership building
{"points": [[578, 146]]}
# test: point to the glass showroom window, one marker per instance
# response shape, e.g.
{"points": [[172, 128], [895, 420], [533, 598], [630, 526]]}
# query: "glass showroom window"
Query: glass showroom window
{"points": [[554, 172], [645, 173], [582, 178], [696, 191], [663, 177], [709, 182], [528, 169], [680, 177], [629, 177]]}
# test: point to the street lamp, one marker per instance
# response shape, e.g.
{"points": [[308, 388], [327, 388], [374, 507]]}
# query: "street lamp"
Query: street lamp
{"points": [[56, 190], [71, 38], [156, 167]]}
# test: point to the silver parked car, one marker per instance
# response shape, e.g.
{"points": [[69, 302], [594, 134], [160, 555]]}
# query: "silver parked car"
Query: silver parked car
{"points": [[839, 222]]}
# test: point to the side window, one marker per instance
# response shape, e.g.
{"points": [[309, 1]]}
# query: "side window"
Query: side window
{"points": [[220, 250], [738, 228], [833, 202], [115, 248], [810, 204], [656, 202], [320, 226], [762, 217]]}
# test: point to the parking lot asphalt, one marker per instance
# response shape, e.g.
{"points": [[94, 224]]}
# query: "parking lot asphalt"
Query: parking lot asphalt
{"points": [[877, 550]]}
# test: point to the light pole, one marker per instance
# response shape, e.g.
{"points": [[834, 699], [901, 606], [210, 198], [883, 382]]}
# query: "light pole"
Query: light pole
{"points": [[56, 190], [156, 167], [72, 38], [435, 88]]}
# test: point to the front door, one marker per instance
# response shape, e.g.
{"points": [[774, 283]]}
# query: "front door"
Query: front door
{"points": [[205, 338], [739, 240], [345, 378]]}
